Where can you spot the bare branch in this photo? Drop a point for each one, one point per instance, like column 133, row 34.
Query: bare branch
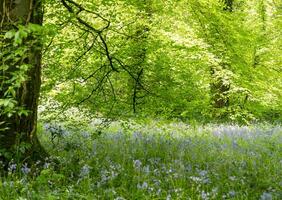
column 107, row 52
column 134, row 98
column 93, row 74
column 100, row 83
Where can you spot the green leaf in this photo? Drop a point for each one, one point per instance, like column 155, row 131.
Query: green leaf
column 4, row 102
column 35, row 28
column 18, row 39
column 22, row 112
column 10, row 34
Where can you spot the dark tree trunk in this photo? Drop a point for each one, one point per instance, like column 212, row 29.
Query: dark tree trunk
column 140, row 44
column 21, row 128
column 220, row 90
column 228, row 5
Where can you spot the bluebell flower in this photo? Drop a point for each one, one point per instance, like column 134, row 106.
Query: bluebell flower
column 46, row 126
column 205, row 195
column 143, row 186
column 25, row 169
column 266, row 196
column 85, row 170
column 137, row 164
column 85, row 134
column 46, row 165
column 203, row 173
column 232, row 193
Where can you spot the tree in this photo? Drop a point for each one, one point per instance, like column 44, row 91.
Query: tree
column 20, row 76
column 214, row 31
column 228, row 5
column 220, row 86
column 105, row 67
column 139, row 51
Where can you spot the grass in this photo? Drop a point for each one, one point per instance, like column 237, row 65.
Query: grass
column 155, row 161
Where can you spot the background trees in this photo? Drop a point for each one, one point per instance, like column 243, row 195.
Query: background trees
column 186, row 59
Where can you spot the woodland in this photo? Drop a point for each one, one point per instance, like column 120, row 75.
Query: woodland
column 140, row 99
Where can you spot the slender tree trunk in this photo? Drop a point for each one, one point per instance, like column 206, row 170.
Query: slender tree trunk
column 140, row 44
column 21, row 128
column 262, row 37
column 219, row 89
column 228, row 5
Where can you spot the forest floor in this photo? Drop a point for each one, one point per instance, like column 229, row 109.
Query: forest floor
column 154, row 161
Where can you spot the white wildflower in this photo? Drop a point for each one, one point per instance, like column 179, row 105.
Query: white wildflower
column 119, row 198
column 146, row 169
column 12, row 167
column 168, row 197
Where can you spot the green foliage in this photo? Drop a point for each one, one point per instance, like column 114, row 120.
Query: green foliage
column 157, row 160
column 192, row 59
column 13, row 69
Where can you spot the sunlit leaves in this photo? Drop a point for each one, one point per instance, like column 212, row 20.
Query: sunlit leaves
column 188, row 47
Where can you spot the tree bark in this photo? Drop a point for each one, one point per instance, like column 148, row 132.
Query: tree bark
column 21, row 128
column 140, row 43
column 219, row 90
column 228, row 5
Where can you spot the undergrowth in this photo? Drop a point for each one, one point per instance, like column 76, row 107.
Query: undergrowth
column 153, row 161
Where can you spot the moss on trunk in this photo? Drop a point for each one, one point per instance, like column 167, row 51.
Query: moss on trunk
column 21, row 129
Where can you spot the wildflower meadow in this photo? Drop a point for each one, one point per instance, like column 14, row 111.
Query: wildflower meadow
column 153, row 161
